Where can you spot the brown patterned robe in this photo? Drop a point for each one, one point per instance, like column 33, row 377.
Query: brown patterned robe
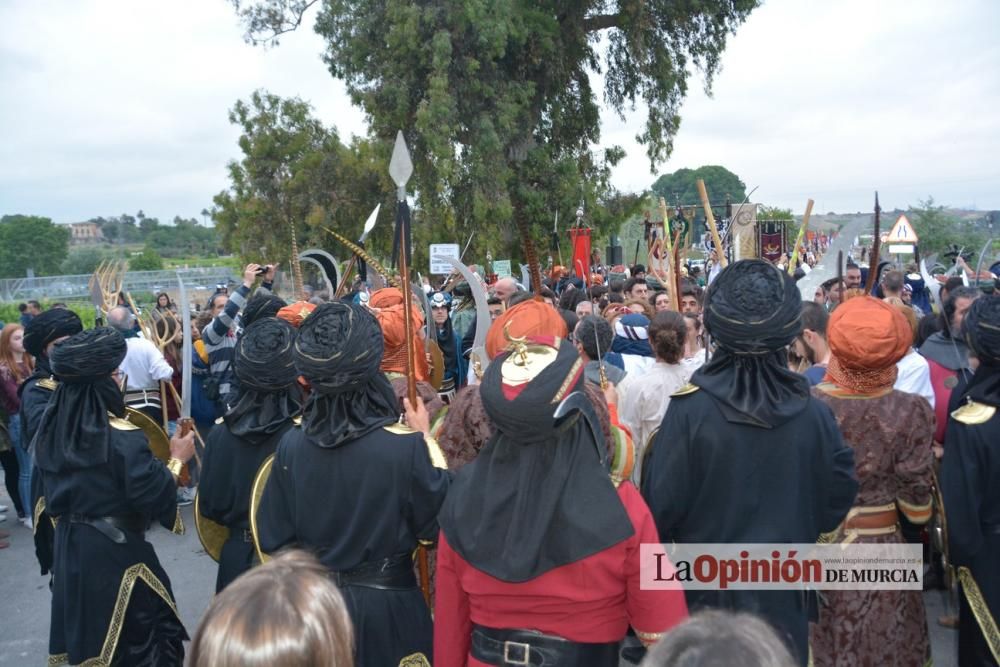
column 891, row 434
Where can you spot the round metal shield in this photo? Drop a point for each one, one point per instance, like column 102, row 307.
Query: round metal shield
column 159, row 443
column 437, row 364
column 212, row 535
column 259, row 483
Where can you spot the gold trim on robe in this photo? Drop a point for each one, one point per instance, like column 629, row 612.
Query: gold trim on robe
column 129, row 579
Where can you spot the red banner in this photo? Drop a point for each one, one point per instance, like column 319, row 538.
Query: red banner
column 580, row 236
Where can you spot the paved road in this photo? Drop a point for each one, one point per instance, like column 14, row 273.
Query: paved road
column 24, row 596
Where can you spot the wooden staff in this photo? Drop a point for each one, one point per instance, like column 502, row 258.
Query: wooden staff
column 798, row 240
column 675, row 297
column 710, row 221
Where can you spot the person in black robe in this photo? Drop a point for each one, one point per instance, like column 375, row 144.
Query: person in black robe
column 266, row 404
column 969, row 470
column 44, row 331
column 355, row 488
column 745, row 454
column 111, row 599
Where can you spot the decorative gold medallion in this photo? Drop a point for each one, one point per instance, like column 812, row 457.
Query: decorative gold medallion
column 973, row 413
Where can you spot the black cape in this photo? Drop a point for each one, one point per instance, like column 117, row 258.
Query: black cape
column 34, row 400
column 969, row 472
column 708, row 480
column 228, row 469
column 364, row 500
column 113, row 602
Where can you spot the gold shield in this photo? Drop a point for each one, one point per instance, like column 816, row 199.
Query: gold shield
column 211, row 534
column 259, row 483
column 159, row 443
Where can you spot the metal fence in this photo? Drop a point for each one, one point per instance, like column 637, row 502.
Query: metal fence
column 76, row 287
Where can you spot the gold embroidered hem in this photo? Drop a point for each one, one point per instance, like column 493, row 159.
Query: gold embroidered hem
column 178, row 527
column 415, row 660
column 39, row 509
column 129, row 579
column 987, row 624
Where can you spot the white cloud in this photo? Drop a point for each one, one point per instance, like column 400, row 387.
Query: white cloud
column 112, row 106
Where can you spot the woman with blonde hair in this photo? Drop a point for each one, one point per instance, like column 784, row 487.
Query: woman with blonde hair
column 285, row 613
column 15, row 367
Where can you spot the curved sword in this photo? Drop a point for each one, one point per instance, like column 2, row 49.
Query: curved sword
column 478, row 354
column 327, row 266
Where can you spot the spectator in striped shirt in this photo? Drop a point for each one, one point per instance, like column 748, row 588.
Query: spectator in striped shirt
column 220, row 334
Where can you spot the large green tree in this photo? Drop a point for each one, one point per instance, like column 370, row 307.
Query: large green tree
column 938, row 229
column 294, row 170
column 31, row 242
column 496, row 97
column 681, row 187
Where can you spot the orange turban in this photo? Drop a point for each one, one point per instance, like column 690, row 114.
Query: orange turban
column 387, row 305
column 296, row 312
column 867, row 337
column 528, row 318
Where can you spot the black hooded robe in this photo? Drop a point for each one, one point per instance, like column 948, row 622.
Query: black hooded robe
column 712, row 481
column 229, row 467
column 367, row 499
column 969, row 471
column 112, row 602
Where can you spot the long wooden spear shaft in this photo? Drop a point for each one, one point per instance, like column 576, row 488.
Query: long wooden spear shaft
column 876, row 250
column 710, row 221
column 668, row 249
column 401, row 168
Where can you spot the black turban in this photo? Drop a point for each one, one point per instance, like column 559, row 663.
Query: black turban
column 264, row 355
column 47, row 327
column 538, row 495
column 268, row 396
column 982, row 333
column 259, row 306
column 982, row 329
column 752, row 307
column 338, row 350
column 74, row 432
column 753, row 311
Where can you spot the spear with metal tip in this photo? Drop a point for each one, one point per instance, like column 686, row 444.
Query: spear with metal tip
column 400, row 169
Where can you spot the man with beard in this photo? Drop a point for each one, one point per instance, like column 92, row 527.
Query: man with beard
column 969, row 472
column 42, row 333
column 260, row 411
column 948, row 357
column 356, row 488
column 776, row 486
column 111, row 599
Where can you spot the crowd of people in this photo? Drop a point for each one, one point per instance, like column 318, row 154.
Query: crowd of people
column 732, row 412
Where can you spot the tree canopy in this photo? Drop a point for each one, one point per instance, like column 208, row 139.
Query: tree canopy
column 31, row 242
column 681, row 187
column 294, row 170
column 938, row 229
column 496, row 98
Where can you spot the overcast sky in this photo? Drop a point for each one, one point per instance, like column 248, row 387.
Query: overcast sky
column 111, row 106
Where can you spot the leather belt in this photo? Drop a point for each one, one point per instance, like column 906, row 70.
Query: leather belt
column 138, row 398
column 240, row 534
column 392, row 574
column 113, row 527
column 872, row 520
column 528, row 647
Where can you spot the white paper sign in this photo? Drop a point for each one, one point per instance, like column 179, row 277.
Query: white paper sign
column 438, row 266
